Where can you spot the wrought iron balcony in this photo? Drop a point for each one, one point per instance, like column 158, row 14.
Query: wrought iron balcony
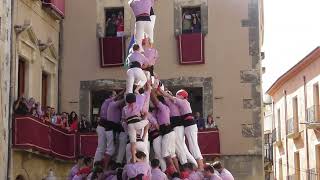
column 313, row 116
column 292, row 128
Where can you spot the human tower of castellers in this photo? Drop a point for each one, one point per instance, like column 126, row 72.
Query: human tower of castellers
column 145, row 115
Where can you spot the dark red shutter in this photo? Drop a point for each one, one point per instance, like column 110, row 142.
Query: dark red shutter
column 21, row 77
column 191, row 48
column 112, row 51
column 56, row 5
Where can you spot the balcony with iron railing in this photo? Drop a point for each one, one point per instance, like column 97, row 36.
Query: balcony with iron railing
column 293, row 128
column 268, row 149
column 274, row 135
column 313, row 117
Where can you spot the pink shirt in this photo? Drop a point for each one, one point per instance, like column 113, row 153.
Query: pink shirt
column 226, row 175
column 183, row 105
column 174, row 110
column 143, row 100
column 152, row 55
column 195, row 175
column 137, row 56
column 215, row 177
column 114, row 111
column 73, row 172
column 163, row 114
column 104, row 108
column 151, row 118
column 132, row 170
column 157, row 174
column 141, row 6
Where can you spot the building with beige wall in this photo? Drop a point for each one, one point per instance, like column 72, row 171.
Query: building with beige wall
column 35, row 63
column 295, row 122
column 229, row 80
column 5, row 55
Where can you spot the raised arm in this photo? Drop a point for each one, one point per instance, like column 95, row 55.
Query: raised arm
column 154, row 98
column 165, row 94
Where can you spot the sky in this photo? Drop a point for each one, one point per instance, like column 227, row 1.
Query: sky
column 291, row 31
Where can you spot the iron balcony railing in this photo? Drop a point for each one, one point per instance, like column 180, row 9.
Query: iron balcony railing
column 313, row 114
column 290, row 126
column 268, row 148
column 274, row 135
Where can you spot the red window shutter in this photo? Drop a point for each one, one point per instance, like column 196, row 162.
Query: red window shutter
column 21, row 78
column 191, row 48
column 112, row 51
column 44, row 89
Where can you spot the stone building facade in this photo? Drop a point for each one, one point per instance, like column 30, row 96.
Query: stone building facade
column 5, row 55
column 35, row 62
column 229, row 79
column 296, row 120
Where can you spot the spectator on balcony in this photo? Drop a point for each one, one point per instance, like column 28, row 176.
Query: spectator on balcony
column 73, row 121
column 20, row 106
column 196, row 23
column 210, row 122
column 31, row 104
column 111, row 27
column 223, row 172
column 34, row 113
column 53, row 115
column 200, row 121
column 187, row 22
column 120, row 25
column 84, row 124
column 62, row 121
column 39, row 110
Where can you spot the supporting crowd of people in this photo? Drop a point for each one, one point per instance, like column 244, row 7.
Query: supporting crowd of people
column 146, row 120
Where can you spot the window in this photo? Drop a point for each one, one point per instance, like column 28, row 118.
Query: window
column 191, row 20
column 279, row 124
column 21, row 77
column 114, row 23
column 44, row 89
column 316, row 101
column 295, row 112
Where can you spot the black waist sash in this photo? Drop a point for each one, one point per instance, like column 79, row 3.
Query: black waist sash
column 165, row 129
column 151, row 11
column 143, row 18
column 153, row 135
column 176, row 121
column 110, row 125
column 188, row 120
column 133, row 119
column 135, row 64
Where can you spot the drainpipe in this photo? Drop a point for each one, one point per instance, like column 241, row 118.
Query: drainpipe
column 60, row 63
column 307, row 135
column 11, row 98
column 286, row 126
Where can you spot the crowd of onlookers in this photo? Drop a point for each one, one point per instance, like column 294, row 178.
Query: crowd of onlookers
column 86, row 169
column 68, row 121
column 205, row 124
column 115, row 24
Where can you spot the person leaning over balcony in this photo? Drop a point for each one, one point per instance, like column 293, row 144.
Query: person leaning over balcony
column 223, row 172
column 73, row 121
column 20, row 107
column 135, row 73
column 210, row 122
column 141, row 9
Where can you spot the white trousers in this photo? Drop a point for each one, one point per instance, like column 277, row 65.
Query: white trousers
column 140, row 146
column 180, row 150
column 135, row 76
column 105, row 144
column 134, row 127
column 156, row 144
column 153, row 20
column 141, row 28
column 168, row 145
column 122, row 147
column 191, row 133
